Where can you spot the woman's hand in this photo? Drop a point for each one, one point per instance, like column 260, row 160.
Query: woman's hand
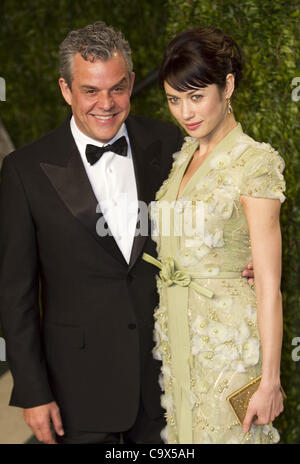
column 266, row 404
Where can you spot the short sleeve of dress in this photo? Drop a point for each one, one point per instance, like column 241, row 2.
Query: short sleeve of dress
column 262, row 174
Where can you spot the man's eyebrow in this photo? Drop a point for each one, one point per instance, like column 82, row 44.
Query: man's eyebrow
column 121, row 82
column 89, row 87
column 92, row 87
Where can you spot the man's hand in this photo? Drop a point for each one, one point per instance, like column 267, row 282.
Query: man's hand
column 248, row 272
column 39, row 419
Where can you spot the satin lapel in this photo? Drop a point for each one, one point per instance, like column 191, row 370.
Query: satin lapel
column 146, row 155
column 72, row 185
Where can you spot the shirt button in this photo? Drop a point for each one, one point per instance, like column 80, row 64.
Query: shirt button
column 131, row 326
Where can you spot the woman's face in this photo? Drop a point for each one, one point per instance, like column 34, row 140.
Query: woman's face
column 198, row 111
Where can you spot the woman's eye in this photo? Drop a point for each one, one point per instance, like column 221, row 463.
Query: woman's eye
column 173, row 100
column 196, row 97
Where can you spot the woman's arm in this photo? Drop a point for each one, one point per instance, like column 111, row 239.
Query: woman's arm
column 264, row 227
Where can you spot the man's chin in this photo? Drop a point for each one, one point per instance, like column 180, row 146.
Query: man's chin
column 105, row 132
column 103, row 135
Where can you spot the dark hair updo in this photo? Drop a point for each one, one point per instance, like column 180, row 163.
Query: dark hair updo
column 200, row 57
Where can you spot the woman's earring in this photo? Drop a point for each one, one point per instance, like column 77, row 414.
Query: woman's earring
column 229, row 108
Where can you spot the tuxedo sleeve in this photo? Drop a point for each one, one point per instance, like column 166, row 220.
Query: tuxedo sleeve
column 19, row 293
column 180, row 139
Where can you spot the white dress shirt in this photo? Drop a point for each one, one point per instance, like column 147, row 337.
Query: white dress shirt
column 113, row 181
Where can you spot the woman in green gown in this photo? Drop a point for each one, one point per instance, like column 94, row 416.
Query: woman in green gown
column 218, row 209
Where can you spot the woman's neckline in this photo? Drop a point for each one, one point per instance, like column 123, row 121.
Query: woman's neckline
column 181, row 191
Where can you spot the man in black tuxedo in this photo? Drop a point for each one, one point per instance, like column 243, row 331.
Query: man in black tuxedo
column 67, row 240
column 87, row 364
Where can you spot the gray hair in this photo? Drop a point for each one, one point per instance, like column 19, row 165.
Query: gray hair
column 94, row 42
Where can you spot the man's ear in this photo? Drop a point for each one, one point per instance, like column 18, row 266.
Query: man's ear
column 65, row 90
column 131, row 82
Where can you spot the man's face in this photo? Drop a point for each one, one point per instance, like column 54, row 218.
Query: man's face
column 99, row 95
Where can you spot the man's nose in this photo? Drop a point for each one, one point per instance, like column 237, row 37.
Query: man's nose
column 105, row 102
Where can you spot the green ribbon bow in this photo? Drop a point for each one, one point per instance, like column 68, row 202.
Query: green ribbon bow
column 169, row 276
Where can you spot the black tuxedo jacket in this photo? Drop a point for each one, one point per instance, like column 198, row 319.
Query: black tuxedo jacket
column 91, row 349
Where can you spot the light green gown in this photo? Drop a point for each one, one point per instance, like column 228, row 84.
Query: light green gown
column 206, row 324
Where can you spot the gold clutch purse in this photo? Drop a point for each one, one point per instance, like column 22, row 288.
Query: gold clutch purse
column 239, row 400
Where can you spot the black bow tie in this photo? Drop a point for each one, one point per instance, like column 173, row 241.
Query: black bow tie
column 94, row 153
